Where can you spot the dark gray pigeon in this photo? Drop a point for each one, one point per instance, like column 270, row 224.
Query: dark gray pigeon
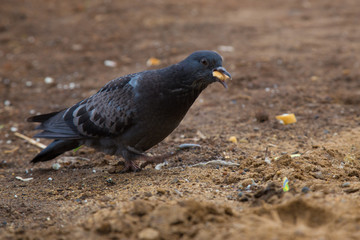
column 131, row 114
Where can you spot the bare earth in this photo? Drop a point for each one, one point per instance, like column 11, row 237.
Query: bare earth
column 297, row 57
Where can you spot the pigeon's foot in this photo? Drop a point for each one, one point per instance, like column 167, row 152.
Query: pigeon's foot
column 124, row 167
column 130, row 166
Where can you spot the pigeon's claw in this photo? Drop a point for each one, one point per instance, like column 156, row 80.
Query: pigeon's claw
column 130, row 166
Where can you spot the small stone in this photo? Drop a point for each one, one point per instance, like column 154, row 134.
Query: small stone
column 110, row 181
column 351, row 190
column 77, row 47
column 49, row 80
column 50, row 179
column 148, row 234
column 109, row 63
column 225, row 48
column 314, row 78
column 305, row 190
column 72, row 85
column 56, row 166
column 346, row 184
column 13, row 129
column 7, row 103
column 319, row 175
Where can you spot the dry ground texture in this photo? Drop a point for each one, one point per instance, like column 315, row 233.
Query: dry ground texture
column 291, row 56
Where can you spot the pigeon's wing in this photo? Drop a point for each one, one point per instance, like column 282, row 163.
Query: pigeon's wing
column 108, row 113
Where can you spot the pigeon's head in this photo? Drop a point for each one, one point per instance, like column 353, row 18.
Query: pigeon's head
column 205, row 68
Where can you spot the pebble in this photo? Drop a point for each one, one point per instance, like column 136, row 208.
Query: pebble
column 110, row 181
column 56, row 166
column 110, row 63
column 77, row 47
column 72, row 85
column 49, row 80
column 314, row 78
column 149, row 234
column 50, row 179
column 319, row 175
column 346, row 184
column 225, row 48
column 267, row 160
column 7, row 103
column 189, row 145
column 305, row 190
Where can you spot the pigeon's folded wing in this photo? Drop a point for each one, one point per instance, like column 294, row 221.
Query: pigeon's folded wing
column 107, row 113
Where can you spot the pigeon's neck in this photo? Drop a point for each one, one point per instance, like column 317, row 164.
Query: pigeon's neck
column 182, row 89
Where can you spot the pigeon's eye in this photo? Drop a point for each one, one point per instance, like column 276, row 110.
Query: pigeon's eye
column 204, row 62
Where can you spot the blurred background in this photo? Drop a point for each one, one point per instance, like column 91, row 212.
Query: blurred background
column 285, row 56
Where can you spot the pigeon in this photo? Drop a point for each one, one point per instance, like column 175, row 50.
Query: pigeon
column 132, row 113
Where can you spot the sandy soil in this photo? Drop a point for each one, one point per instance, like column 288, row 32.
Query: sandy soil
column 297, row 57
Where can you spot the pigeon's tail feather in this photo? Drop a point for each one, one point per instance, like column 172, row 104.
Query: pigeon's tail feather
column 54, row 149
column 57, row 135
column 42, row 118
column 54, row 126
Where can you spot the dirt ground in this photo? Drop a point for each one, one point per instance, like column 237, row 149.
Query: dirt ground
column 298, row 57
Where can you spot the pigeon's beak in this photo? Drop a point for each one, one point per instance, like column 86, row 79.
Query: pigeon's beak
column 221, row 75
